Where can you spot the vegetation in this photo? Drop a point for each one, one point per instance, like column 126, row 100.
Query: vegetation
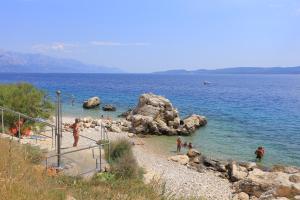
column 22, row 179
column 123, row 163
column 24, row 98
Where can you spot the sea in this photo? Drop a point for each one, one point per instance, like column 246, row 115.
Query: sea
column 243, row 111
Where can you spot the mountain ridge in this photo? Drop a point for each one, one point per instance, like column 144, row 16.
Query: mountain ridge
column 14, row 62
column 235, row 70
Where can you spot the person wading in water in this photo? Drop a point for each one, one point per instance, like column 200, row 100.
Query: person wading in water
column 260, row 151
column 75, row 128
column 179, row 143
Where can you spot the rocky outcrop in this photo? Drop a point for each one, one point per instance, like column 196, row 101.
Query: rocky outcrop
column 109, row 107
column 277, row 184
column 91, row 103
column 182, row 159
column 248, row 180
column 156, row 115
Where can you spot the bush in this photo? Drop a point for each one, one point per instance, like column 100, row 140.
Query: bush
column 22, row 180
column 119, row 148
column 123, row 163
column 26, row 99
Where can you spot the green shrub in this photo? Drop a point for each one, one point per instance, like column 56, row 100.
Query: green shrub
column 26, row 99
column 119, row 148
column 123, row 163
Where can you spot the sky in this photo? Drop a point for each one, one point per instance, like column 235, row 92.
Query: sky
column 154, row 35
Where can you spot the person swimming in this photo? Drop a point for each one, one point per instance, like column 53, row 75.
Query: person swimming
column 260, row 151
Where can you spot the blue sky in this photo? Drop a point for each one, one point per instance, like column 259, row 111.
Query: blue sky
column 152, row 35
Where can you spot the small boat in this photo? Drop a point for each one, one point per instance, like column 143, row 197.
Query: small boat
column 206, row 82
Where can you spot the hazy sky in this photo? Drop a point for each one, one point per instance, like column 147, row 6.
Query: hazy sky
column 151, row 35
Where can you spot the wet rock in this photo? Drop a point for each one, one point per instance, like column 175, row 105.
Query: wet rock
column 109, row 107
column 91, row 103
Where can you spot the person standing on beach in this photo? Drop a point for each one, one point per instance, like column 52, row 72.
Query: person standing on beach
column 179, row 143
column 75, row 128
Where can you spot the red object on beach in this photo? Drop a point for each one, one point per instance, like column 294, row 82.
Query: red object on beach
column 13, row 131
column 26, row 132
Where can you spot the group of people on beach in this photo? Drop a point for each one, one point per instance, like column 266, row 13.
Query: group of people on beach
column 260, row 151
column 180, row 144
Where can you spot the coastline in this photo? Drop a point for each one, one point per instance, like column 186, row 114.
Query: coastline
column 220, row 179
column 190, row 175
column 179, row 180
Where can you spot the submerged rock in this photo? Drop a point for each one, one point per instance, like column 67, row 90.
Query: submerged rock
column 156, row 115
column 109, row 107
column 91, row 103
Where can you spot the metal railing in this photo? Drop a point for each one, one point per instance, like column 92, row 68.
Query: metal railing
column 100, row 144
column 24, row 116
column 57, row 134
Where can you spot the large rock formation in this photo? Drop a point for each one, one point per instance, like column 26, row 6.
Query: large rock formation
column 156, row 115
column 91, row 102
column 277, row 184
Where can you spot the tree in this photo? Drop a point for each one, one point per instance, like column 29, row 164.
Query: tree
column 26, row 99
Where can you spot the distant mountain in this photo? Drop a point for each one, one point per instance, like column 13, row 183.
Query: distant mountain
column 12, row 62
column 238, row 70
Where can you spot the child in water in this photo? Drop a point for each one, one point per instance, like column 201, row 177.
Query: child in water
column 260, row 151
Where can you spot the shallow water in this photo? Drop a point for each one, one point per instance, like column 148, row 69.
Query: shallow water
column 243, row 111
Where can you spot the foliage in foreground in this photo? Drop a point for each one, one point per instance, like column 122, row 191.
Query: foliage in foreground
column 123, row 162
column 21, row 179
column 24, row 98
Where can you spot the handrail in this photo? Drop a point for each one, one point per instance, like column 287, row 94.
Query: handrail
column 26, row 116
column 66, row 130
column 68, row 152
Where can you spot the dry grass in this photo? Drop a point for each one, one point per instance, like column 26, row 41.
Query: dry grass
column 20, row 178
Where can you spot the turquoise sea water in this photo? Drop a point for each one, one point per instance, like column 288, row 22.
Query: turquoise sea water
column 243, row 111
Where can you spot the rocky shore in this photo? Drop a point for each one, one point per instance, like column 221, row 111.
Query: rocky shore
column 193, row 174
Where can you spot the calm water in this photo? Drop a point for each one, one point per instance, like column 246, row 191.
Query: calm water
column 243, row 111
